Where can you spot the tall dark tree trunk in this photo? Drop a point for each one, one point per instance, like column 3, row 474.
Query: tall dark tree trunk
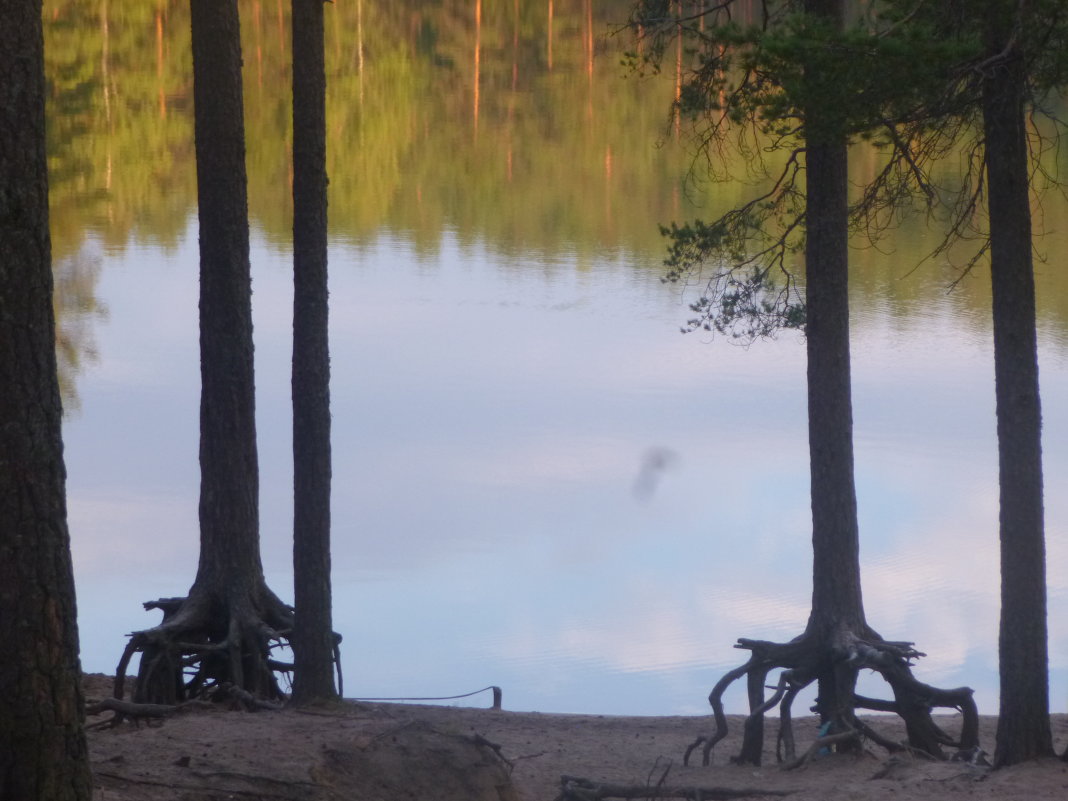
column 837, row 605
column 227, row 624
column 313, row 639
column 229, row 473
column 43, row 752
column 837, row 616
column 836, row 594
column 836, row 619
column 1023, row 731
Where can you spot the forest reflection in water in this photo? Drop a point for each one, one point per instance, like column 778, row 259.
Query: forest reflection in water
column 504, row 360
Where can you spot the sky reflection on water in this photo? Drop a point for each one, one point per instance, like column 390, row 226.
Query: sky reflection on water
column 491, row 417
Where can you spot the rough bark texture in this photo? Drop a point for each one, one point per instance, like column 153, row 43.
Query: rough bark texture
column 313, row 640
column 43, row 751
column 836, row 594
column 837, row 606
column 1023, row 724
column 837, row 642
column 223, row 631
column 229, row 484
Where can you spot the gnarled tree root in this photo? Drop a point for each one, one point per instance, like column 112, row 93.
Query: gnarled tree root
column 207, row 644
column 835, row 662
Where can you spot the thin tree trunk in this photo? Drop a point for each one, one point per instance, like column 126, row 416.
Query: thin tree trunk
column 43, row 752
column 549, row 45
column 477, row 63
column 1023, row 723
column 313, row 638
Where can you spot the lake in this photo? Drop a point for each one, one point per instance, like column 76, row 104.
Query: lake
column 539, row 482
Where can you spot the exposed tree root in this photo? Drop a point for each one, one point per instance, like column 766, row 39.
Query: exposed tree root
column 820, row 744
column 834, row 660
column 495, row 748
column 212, row 643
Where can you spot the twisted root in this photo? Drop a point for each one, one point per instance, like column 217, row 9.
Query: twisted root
column 205, row 642
column 835, row 663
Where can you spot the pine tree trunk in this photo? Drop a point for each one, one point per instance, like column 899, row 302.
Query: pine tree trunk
column 222, row 633
column 836, row 594
column 229, row 485
column 837, row 605
column 837, row 642
column 313, row 638
column 1023, row 724
column 43, row 751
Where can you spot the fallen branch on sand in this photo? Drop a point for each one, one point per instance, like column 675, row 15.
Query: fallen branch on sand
column 573, row 788
column 126, row 709
column 131, row 710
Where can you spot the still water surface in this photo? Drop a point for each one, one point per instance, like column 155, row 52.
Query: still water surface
column 539, row 483
column 492, row 521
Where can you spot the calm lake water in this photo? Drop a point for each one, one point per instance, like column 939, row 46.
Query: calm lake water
column 539, row 483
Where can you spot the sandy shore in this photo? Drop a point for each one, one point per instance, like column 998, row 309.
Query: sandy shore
column 382, row 752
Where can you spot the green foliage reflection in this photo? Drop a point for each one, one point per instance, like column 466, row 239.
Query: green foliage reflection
column 470, row 116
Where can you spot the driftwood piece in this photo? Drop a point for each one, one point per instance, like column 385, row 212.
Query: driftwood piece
column 573, row 788
column 137, row 712
column 130, row 709
column 127, row 709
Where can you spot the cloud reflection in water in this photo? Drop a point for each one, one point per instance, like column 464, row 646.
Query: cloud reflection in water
column 488, row 428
